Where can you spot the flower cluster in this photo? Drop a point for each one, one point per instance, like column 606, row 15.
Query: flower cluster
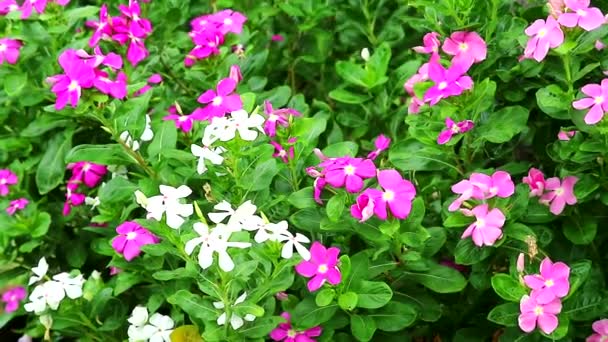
column 286, row 332
column 487, row 227
column 552, row 192
column 131, row 237
column 28, row 6
column 279, row 117
column 13, row 297
column 156, row 328
column 87, row 173
column 208, row 32
column 541, row 307
column 7, row 178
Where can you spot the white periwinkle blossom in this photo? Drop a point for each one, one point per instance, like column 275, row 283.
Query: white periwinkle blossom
column 168, row 203
column 39, row 271
column 157, row 328
column 51, row 293
column 242, row 218
column 279, row 232
column 213, row 241
column 206, row 152
column 224, row 128
column 147, row 135
column 235, row 321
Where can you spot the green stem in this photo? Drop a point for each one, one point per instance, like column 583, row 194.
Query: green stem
column 566, row 61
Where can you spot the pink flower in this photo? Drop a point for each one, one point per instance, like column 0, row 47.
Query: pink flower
column 536, row 182
column 430, row 43
column 12, row 298
column 565, row 135
column 481, row 186
column 26, row 8
column 130, row 239
column 276, row 116
column 599, row 45
column 580, row 14
column 281, row 152
column 414, row 106
column 7, row 6
column 450, row 82
column 543, row 35
column 322, row 266
column 535, row 314
column 285, row 332
column 559, row 194
column 552, row 282
column 154, row 79
column 350, row 172
column 382, row 143
column 72, row 199
column 488, row 226
column 114, row 270
column 139, row 27
column 117, row 89
column 601, row 331
column 363, row 209
column 421, row 76
column 597, row 100
column 235, row 73
column 206, row 43
column 17, row 204
column 183, row 122
column 466, row 47
column 229, row 21
column 453, row 129
column 318, row 186
column 7, row 177
column 103, row 28
column 9, row 50
column 218, row 103
column 87, row 172
column 520, row 263
column 277, row 38
column 398, row 195
column 68, row 86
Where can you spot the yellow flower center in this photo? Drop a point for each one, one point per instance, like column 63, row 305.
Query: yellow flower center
column 443, row 85
column 217, row 101
column 542, row 33
column 598, row 99
column 538, row 310
column 549, row 283
column 349, row 170
column 463, row 46
column 388, row 196
column 322, row 269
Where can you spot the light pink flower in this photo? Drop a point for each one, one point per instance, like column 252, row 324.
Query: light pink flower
column 520, row 263
column 281, row 152
column 536, row 182
column 551, row 283
column 535, row 314
column 277, row 116
column 559, row 194
column 450, row 82
column 565, row 135
column 219, row 102
column 381, row 143
column 397, row 195
column 597, row 100
column 12, row 298
column 601, row 331
column 9, row 50
column 285, row 332
column 421, row 76
column 350, row 172
column 599, row 45
column 7, row 6
column 114, row 270
column 453, row 129
column 488, row 226
column 87, row 172
column 466, row 47
column 580, row 14
column 481, row 186
column 363, row 209
column 17, row 204
column 322, row 266
column 543, row 35
column 130, row 239
column 235, row 73
column 7, row 177
column 414, row 106
column 430, row 43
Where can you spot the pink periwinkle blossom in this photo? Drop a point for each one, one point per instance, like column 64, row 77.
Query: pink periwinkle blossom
column 12, row 298
column 77, row 75
column 287, row 333
column 533, row 314
column 318, row 186
column 285, row 154
column 350, row 172
column 29, row 5
column 235, row 73
column 536, row 181
column 228, row 21
column 206, row 43
column 543, row 35
column 7, row 177
column 115, row 270
column 111, row 60
column 414, row 106
column 154, row 79
column 363, row 208
column 599, row 45
column 580, row 14
column 322, row 266
column 277, row 117
column 488, row 226
column 277, row 38
column 520, row 263
column 131, row 238
column 9, row 50
column 381, row 143
column 481, row 187
column 421, row 76
column 552, row 282
column 72, row 199
column 454, row 128
column 87, row 172
column 182, row 122
column 565, row 135
column 450, row 82
column 397, row 195
column 220, row 102
column 601, row 331
column 116, row 88
column 18, row 204
column 430, row 43
column 558, row 194
column 597, row 100
column 8, row 6
column 139, row 26
column 466, row 47
column 103, row 27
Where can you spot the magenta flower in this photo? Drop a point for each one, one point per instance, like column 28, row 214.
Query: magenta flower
column 129, row 31
column 154, row 79
column 488, row 226
column 601, row 331
column 318, row 186
column 414, row 106
column 430, row 43
column 87, row 172
column 536, row 182
column 276, row 116
column 114, row 270
column 7, row 6
column 12, row 298
column 183, row 122
column 350, row 172
column 277, row 38
column 398, row 195
column 17, row 204
column 322, row 266
column 139, row 26
column 450, row 82
column 363, row 209
column 382, row 143
column 29, row 5
column 229, row 21
column 281, row 152
column 218, row 102
column 580, row 14
column 421, row 76
column 9, row 50
column 543, row 35
column 558, row 195
column 7, row 177
column 552, row 282
column 130, row 239
column 103, row 28
column 285, row 332
column 535, row 314
column 68, row 86
column 565, row 135
column 454, row 129
column 597, row 100
column 72, row 199
column 466, row 47
column 207, row 43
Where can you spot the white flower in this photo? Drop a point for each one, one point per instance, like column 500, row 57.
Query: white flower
column 169, row 204
column 272, row 232
column 71, row 286
column 242, row 122
column 161, row 327
column 148, row 134
column 235, row 320
column 139, row 316
column 93, row 202
column 50, row 294
column 207, row 153
column 295, row 241
column 39, row 271
column 215, row 130
column 212, row 241
column 128, row 140
column 242, row 218
column 138, row 330
column 365, row 54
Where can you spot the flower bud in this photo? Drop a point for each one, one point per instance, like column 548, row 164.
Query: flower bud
column 282, row 296
column 365, row 54
column 235, row 73
column 520, row 263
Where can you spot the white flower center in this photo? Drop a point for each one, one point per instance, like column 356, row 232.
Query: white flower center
column 73, row 85
column 581, row 12
column 480, row 223
column 131, row 235
column 559, row 192
column 542, row 33
column 182, row 118
column 322, row 269
column 455, row 129
column 86, row 167
column 2, row 47
column 549, row 283
column 388, row 196
column 463, row 46
column 273, row 117
column 2, row 181
column 349, row 170
column 291, row 333
column 442, row 85
column 217, row 101
column 227, row 21
column 598, row 99
column 282, row 153
column 538, row 310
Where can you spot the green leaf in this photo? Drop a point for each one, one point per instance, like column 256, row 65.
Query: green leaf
column 434, row 243
column 335, row 207
column 508, row 288
column 351, row 73
column 377, row 65
column 52, row 166
column 412, row 155
column 110, row 154
column 345, row 96
column 307, row 314
column 503, row 125
column 307, row 219
column 519, row 232
column 261, row 177
column 193, row 305
column 467, row 253
column 395, row 316
column 348, row 301
column 585, row 186
column 43, row 124
column 456, row 220
column 580, row 231
column 76, row 255
column 81, row 12
column 117, row 190
column 554, row 102
column 14, row 83
column 362, row 327
column 342, row 148
column 262, row 327
column 308, row 129
column 125, row 281
column 372, row 294
column 303, row 198
column 177, row 273
column 441, row 279
column 579, row 272
column 164, row 139
column 505, row 314
column 325, row 297
column 41, row 226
